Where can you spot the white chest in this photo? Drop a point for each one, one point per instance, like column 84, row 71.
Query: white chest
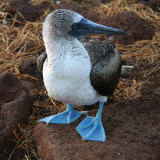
column 67, row 76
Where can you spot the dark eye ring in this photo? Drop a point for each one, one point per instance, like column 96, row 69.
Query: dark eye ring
column 74, row 26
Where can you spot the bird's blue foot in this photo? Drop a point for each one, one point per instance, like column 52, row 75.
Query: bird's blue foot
column 91, row 128
column 65, row 117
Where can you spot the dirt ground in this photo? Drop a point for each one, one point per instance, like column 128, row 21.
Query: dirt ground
column 131, row 117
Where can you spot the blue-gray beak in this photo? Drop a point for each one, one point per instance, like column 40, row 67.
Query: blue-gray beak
column 86, row 26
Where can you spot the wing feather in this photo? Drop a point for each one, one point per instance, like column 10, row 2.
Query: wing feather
column 106, row 66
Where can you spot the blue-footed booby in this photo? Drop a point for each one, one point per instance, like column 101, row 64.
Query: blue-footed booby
column 77, row 73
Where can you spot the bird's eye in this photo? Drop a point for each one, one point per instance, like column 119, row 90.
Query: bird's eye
column 74, row 26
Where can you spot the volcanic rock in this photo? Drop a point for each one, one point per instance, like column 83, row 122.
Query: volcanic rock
column 136, row 28
column 24, row 11
column 28, row 66
column 154, row 4
column 15, row 105
column 106, row 1
column 132, row 131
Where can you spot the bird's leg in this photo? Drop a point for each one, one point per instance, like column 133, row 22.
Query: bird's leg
column 91, row 128
column 66, row 117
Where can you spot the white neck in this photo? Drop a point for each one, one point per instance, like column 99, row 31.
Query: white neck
column 58, row 46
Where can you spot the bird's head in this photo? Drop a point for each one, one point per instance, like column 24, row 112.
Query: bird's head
column 66, row 22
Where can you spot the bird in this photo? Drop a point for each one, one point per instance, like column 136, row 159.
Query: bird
column 79, row 73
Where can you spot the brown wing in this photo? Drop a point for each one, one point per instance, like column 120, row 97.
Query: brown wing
column 106, row 66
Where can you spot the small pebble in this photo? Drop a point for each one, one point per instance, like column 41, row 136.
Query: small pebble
column 4, row 22
column 119, row 154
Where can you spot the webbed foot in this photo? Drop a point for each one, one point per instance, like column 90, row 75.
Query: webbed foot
column 91, row 128
column 65, row 117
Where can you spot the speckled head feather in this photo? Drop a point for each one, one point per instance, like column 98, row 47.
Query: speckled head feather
column 60, row 21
